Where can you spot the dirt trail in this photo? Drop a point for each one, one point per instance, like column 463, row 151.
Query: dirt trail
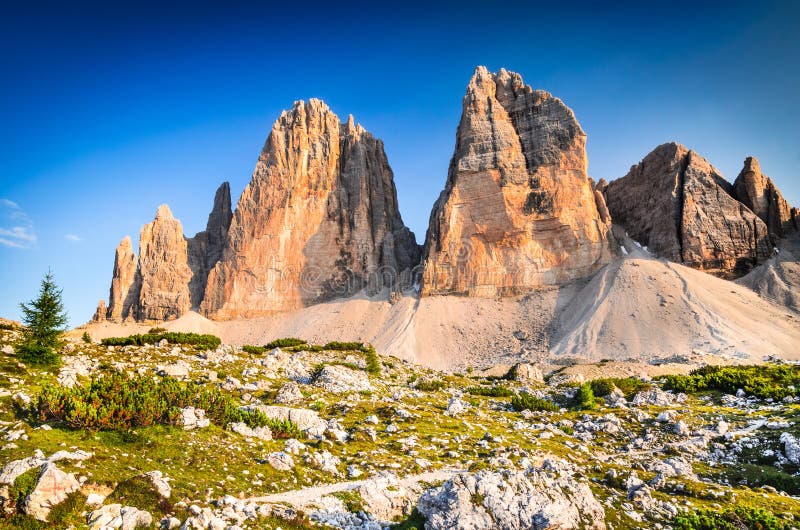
column 306, row 496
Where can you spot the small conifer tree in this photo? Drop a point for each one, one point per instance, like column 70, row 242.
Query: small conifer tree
column 45, row 321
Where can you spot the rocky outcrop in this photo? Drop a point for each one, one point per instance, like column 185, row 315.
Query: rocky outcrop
column 757, row 191
column 318, row 220
column 679, row 206
column 541, row 499
column 164, row 268
column 518, row 210
column 123, row 300
column 169, row 276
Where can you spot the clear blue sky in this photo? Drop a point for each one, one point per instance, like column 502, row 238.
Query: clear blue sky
column 109, row 110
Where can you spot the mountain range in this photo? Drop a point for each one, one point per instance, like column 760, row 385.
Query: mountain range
column 525, row 255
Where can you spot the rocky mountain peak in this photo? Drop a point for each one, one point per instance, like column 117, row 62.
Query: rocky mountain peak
column 518, row 210
column 318, row 220
column 682, row 208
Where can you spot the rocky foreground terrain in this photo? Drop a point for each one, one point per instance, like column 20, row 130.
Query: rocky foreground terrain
column 304, row 436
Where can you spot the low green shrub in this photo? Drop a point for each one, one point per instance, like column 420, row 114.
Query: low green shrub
column 208, row 342
column 490, row 391
column 774, row 381
column 737, row 518
column 255, row 350
column 121, row 402
column 37, row 354
column 754, row 475
column 86, row 337
column 373, row 361
column 157, row 330
column 430, row 385
column 629, row 386
column 584, row 398
column 526, row 401
column 343, row 346
column 415, row 521
column 284, row 343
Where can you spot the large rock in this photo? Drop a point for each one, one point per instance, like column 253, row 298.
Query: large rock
column 518, row 210
column 123, row 300
column 52, row 488
column 679, row 205
column 757, row 191
column 318, row 220
column 488, row 500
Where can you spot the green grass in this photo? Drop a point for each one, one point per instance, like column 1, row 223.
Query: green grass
column 415, row 521
column 629, row 386
column 139, row 492
column 430, row 385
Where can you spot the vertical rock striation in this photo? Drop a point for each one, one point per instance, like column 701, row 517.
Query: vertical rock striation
column 123, row 300
column 164, row 268
column 518, row 210
column 757, row 191
column 318, row 220
column 679, row 205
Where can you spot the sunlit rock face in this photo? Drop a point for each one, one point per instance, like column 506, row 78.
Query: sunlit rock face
column 518, row 210
column 318, row 220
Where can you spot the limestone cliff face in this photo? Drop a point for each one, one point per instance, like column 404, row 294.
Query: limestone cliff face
column 518, row 210
column 757, row 191
column 318, row 220
column 123, row 300
column 205, row 248
column 169, row 276
column 164, row 268
column 678, row 205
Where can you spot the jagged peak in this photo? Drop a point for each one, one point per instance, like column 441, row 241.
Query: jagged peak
column 164, row 212
column 751, row 164
column 126, row 243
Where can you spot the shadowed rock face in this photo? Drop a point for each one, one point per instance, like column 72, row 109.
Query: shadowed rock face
column 518, row 210
column 318, row 220
column 679, row 205
column 757, row 191
column 205, row 248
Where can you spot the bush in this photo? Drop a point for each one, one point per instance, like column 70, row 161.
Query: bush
column 157, row 330
column 121, row 402
column 738, row 518
column 207, row 342
column 37, row 355
column 284, row 343
column 430, row 385
column 629, row 386
column 86, row 337
column 343, row 346
column 526, row 401
column 255, row 350
column 774, row 381
column 584, row 398
column 490, row 391
column 373, row 361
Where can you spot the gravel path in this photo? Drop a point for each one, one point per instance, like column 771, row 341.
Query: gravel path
column 305, row 496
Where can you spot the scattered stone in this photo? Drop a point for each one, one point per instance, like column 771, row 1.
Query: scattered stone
column 339, row 379
column 289, row 394
column 192, row 418
column 52, row 488
column 280, row 460
column 262, row 433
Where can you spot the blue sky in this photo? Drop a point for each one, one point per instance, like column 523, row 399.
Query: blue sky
column 109, row 110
